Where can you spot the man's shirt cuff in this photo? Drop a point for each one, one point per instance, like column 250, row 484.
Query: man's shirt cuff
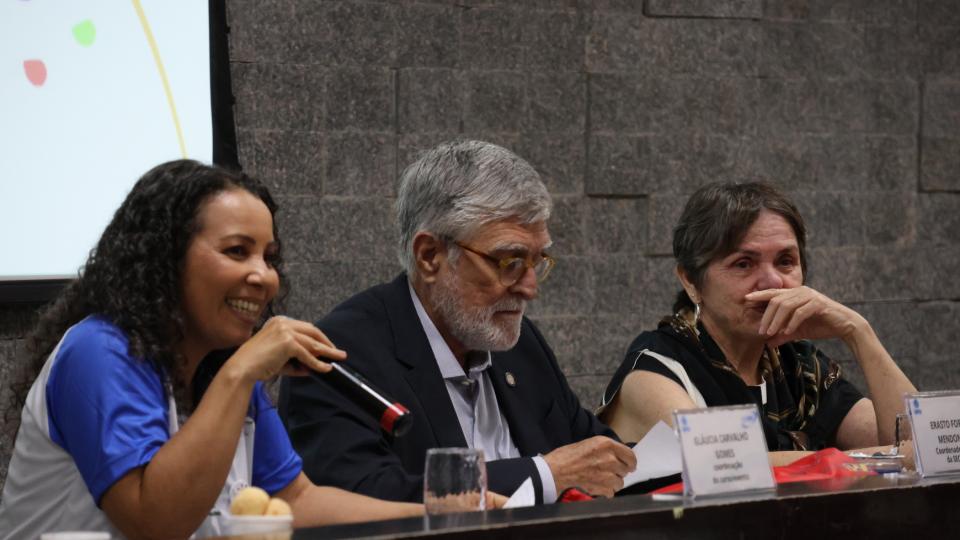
column 546, row 480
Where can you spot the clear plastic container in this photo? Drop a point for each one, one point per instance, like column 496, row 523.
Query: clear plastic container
column 264, row 527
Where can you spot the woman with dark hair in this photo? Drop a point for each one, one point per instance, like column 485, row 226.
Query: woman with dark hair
column 740, row 335
column 149, row 410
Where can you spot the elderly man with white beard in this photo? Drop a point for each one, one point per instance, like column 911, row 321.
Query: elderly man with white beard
column 449, row 340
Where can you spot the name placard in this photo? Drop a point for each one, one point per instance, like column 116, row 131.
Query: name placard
column 723, row 450
column 935, row 423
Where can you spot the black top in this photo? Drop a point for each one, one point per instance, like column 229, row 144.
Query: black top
column 807, row 398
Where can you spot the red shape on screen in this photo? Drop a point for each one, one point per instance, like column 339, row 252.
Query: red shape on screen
column 36, row 71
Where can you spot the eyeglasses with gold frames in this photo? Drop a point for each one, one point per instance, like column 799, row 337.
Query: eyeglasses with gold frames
column 511, row 269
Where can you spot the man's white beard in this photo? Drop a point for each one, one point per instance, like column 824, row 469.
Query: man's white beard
column 474, row 327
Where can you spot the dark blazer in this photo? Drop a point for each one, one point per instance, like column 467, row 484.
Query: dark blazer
column 343, row 446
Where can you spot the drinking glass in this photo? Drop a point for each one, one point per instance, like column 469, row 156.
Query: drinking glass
column 454, row 480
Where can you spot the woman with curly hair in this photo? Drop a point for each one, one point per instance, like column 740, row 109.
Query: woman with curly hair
column 149, row 410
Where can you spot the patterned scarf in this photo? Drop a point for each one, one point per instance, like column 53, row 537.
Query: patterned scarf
column 799, row 378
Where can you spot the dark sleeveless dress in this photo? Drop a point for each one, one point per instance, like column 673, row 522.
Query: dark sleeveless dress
column 806, row 395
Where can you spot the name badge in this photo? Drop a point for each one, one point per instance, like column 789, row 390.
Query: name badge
column 935, row 424
column 723, row 450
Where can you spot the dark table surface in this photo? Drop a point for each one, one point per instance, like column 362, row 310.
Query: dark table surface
column 867, row 507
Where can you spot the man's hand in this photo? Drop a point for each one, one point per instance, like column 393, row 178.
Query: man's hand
column 597, row 465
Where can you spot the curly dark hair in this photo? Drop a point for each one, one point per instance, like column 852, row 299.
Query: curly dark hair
column 133, row 275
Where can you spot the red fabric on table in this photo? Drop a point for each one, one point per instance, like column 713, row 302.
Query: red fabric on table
column 574, row 494
column 826, row 464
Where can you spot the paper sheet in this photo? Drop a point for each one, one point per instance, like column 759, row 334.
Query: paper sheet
column 523, row 496
column 658, row 455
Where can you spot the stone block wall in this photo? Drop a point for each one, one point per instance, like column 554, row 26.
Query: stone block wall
column 625, row 107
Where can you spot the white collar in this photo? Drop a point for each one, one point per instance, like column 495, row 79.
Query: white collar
column 446, row 361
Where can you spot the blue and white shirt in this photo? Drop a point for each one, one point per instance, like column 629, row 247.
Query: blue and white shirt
column 94, row 414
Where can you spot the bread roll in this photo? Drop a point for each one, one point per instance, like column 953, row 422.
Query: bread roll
column 278, row 507
column 250, row 501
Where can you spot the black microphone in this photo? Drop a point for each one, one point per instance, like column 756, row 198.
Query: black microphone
column 395, row 419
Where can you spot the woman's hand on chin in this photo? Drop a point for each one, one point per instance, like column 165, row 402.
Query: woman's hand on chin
column 803, row 313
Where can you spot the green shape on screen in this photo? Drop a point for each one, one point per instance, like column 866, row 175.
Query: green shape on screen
column 84, row 32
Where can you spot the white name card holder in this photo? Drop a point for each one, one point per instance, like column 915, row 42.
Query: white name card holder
column 935, row 424
column 724, row 451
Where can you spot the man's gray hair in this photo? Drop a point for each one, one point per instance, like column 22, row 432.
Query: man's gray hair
column 459, row 186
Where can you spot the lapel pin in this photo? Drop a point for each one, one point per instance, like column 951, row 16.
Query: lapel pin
column 511, row 380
